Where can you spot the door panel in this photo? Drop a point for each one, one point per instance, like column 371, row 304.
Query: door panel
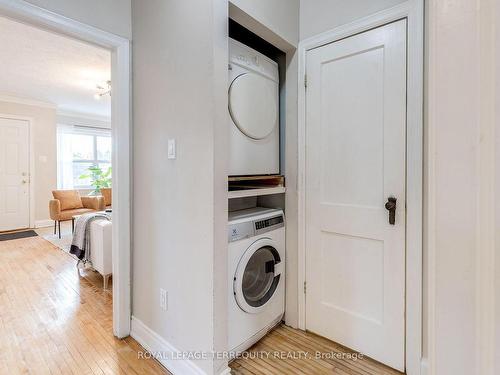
column 355, row 160
column 14, row 174
column 349, row 176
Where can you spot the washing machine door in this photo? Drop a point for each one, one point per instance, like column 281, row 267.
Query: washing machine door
column 258, row 275
column 253, row 105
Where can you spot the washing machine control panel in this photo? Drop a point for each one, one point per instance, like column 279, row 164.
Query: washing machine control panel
column 265, row 225
column 248, row 229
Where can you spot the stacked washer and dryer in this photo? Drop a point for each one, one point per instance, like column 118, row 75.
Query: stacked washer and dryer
column 256, row 285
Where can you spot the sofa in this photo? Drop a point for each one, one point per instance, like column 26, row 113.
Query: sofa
column 68, row 203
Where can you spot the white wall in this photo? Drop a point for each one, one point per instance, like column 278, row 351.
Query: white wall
column 109, row 15
column 44, row 177
column 463, row 157
column 496, row 331
column 180, row 206
column 291, row 201
column 317, row 16
column 274, row 20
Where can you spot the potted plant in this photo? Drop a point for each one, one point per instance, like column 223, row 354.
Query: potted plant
column 99, row 178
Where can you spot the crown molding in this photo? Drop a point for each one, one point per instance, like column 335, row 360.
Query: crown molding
column 26, row 101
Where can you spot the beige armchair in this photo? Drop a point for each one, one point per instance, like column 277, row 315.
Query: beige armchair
column 69, row 203
column 106, row 193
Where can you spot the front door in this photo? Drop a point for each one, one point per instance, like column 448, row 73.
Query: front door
column 355, row 165
column 14, row 174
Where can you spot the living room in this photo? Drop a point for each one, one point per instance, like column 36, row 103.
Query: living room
column 55, row 121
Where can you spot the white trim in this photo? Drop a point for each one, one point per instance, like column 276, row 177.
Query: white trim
column 363, row 24
column 486, row 163
column 424, row 366
column 121, row 127
column 31, row 156
column 43, row 223
column 32, row 171
column 430, row 192
column 162, row 350
column 412, row 10
column 26, row 101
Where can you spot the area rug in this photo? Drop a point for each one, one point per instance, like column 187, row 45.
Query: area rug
column 63, row 243
column 17, row 235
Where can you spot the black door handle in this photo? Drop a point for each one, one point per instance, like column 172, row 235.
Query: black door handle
column 391, row 207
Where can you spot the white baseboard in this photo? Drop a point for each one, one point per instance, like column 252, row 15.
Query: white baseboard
column 424, row 366
column 155, row 344
column 43, row 223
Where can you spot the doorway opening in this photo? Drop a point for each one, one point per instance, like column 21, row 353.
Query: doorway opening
column 98, row 145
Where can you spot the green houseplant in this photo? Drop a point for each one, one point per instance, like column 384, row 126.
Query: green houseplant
column 99, row 178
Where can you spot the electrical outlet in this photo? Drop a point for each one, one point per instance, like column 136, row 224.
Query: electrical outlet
column 163, row 299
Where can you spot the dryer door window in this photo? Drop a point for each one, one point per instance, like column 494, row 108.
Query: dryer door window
column 253, row 105
column 257, row 277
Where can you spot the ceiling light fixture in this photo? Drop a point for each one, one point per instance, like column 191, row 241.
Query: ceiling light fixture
column 103, row 90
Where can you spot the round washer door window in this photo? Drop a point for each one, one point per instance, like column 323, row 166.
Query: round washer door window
column 256, row 278
column 253, row 105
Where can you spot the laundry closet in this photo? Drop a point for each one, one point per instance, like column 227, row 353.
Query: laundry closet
column 256, row 183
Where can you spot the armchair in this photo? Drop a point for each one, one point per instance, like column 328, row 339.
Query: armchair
column 68, row 203
column 106, row 193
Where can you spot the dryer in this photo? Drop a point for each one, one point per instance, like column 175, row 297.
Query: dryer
column 253, row 100
column 256, row 280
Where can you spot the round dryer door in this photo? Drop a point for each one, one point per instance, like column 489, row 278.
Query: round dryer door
column 257, row 276
column 253, row 105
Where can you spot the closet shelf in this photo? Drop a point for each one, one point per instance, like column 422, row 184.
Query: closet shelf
column 255, row 192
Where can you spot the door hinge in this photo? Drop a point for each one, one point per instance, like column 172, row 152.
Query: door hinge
column 305, row 81
column 305, row 287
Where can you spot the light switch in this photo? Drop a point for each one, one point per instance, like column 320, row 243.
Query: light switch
column 171, row 149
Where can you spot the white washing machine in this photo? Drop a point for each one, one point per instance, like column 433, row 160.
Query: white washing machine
column 254, row 112
column 256, row 275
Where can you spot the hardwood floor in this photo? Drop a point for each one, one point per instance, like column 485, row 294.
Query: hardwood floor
column 52, row 321
column 282, row 352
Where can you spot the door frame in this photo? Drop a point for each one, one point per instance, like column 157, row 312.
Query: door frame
column 119, row 47
column 31, row 163
column 413, row 12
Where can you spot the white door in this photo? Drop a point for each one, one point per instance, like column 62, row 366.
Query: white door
column 14, row 174
column 355, row 161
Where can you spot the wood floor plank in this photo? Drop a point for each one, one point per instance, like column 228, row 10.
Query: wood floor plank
column 288, row 340
column 54, row 320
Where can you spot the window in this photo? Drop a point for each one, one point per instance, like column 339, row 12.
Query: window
column 78, row 148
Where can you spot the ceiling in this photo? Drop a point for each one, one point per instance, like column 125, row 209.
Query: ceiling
column 40, row 65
